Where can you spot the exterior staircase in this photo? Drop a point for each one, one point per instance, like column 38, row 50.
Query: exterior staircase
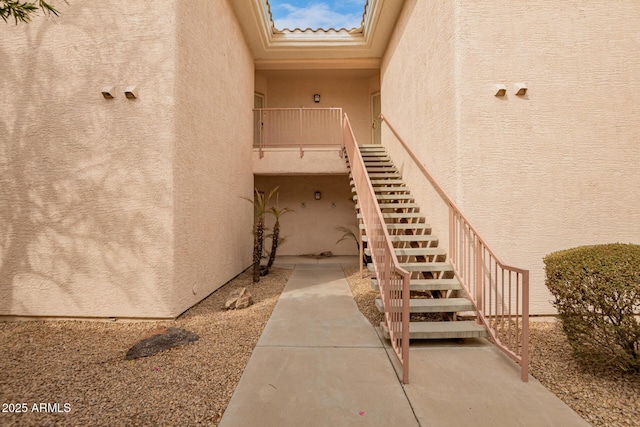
column 439, row 309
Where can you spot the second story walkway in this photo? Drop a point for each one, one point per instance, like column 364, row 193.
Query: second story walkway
column 298, row 140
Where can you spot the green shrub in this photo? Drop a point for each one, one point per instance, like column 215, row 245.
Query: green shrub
column 597, row 295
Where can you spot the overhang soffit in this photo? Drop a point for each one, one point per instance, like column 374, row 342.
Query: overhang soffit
column 268, row 43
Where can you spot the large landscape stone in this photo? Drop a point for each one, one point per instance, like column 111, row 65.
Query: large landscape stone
column 160, row 339
column 238, row 298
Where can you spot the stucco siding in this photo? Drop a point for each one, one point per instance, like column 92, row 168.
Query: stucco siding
column 85, row 182
column 294, row 89
column 312, row 229
column 213, row 154
column 419, row 96
column 553, row 169
column 558, row 167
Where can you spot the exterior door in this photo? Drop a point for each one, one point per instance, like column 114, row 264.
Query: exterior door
column 376, row 109
column 258, row 102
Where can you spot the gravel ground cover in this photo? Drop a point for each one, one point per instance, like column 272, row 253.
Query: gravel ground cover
column 603, row 397
column 82, row 364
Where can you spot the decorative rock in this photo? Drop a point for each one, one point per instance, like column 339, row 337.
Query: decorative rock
column 238, row 298
column 160, row 339
column 244, row 301
column 157, row 331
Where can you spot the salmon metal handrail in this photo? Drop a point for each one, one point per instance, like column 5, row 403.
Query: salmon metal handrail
column 393, row 280
column 499, row 292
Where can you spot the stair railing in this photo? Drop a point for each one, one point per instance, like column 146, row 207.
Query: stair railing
column 499, row 292
column 392, row 279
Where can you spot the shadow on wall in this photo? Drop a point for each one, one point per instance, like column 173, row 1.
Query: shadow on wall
column 69, row 217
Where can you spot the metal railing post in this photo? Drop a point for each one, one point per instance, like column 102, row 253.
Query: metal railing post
column 361, row 247
column 478, row 278
column 524, row 364
column 300, row 132
column 261, row 118
column 406, row 319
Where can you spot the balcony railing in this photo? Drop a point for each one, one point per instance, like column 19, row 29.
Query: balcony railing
column 298, row 128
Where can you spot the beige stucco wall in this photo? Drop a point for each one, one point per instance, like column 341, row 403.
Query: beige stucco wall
column 212, row 167
column 554, row 169
column 123, row 208
column 85, row 183
column 419, row 98
column 344, row 89
column 312, row 229
column 260, row 83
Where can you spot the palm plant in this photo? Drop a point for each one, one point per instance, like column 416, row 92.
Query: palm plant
column 22, row 12
column 260, row 203
column 275, row 236
column 349, row 234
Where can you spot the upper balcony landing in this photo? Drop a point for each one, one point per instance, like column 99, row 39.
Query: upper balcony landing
column 298, row 141
column 287, row 161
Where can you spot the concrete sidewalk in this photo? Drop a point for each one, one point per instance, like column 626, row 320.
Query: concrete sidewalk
column 319, row 362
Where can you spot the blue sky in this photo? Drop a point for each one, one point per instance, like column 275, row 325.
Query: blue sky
column 316, row 14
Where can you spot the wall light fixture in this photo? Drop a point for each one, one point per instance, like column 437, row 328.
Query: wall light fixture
column 316, row 98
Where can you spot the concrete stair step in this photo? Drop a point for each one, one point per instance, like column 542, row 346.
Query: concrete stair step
column 403, row 226
column 373, row 156
column 378, row 169
column 384, row 175
column 398, row 215
column 389, row 197
column 384, row 182
column 426, row 266
column 384, row 190
column 434, row 305
column 441, row 330
column 414, row 251
column 409, row 238
column 427, row 285
column 387, row 182
column 420, row 266
column 378, row 162
column 395, row 205
column 381, row 175
column 382, row 161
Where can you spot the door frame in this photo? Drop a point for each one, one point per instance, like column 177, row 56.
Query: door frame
column 376, row 130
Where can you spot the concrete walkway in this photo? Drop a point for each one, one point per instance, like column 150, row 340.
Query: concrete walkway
column 319, row 362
